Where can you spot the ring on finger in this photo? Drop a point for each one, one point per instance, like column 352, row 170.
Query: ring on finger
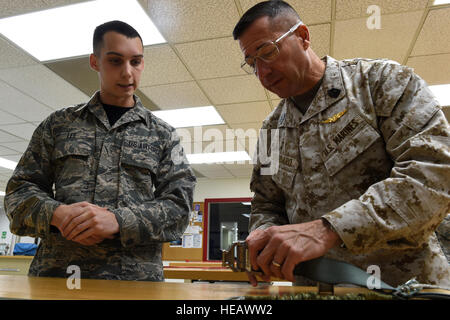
column 276, row 264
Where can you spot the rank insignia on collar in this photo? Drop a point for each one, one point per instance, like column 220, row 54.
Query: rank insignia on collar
column 335, row 117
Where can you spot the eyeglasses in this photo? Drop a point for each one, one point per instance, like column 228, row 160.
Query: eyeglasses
column 268, row 52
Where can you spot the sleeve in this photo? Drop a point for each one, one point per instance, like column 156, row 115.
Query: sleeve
column 29, row 199
column 268, row 203
column 403, row 210
column 167, row 217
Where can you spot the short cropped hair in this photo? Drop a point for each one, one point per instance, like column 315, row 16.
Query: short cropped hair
column 117, row 26
column 271, row 9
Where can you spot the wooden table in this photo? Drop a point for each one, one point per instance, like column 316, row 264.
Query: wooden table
column 24, row 287
column 206, row 271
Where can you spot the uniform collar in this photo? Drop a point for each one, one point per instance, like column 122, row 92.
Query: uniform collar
column 331, row 91
column 137, row 113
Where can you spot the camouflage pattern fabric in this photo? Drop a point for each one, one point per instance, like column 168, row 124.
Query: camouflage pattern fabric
column 136, row 169
column 371, row 156
column 443, row 235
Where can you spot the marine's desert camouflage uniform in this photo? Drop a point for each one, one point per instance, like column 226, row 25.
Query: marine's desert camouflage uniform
column 378, row 171
column 128, row 168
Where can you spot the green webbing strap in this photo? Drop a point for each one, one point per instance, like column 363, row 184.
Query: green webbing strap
column 333, row 272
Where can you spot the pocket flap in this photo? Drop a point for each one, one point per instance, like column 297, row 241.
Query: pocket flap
column 144, row 160
column 350, row 149
column 76, row 147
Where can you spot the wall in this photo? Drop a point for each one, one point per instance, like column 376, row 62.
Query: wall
column 4, row 223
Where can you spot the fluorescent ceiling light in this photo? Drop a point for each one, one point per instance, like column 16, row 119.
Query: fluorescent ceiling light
column 438, row 2
column 246, row 203
column 190, row 117
column 217, row 157
column 8, row 164
column 67, row 31
column 442, row 93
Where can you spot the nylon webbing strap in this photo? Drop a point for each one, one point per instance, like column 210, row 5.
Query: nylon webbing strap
column 335, row 272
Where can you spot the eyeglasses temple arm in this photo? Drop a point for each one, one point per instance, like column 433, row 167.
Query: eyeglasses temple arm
column 289, row 32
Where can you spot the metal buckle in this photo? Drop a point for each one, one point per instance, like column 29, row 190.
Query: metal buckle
column 241, row 261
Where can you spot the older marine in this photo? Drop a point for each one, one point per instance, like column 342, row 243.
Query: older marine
column 360, row 158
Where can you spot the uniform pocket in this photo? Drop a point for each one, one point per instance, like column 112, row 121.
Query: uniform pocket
column 71, row 160
column 351, row 147
column 138, row 175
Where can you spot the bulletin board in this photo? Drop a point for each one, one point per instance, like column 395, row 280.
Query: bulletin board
column 190, row 245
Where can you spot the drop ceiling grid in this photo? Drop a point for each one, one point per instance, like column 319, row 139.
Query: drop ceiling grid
column 193, row 26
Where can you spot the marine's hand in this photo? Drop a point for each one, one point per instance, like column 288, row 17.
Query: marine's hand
column 288, row 245
column 254, row 247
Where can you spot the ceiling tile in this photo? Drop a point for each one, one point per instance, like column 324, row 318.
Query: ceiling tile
column 349, row 9
column 182, row 21
column 250, row 137
column 246, row 126
column 310, row 11
column 16, row 7
column 57, row 3
column 43, row 85
column 6, row 118
column 434, row 37
column 212, row 146
column 6, row 151
column 12, row 56
column 244, row 112
column 162, row 66
column 24, row 130
column 240, row 170
column 212, row 58
column 20, row 105
column 433, row 69
column 233, row 89
column 7, row 137
column 212, row 171
column 205, row 133
column 354, row 39
column 176, row 95
column 18, row 147
column 15, row 157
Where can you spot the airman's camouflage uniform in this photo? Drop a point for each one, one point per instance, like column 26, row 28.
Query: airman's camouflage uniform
column 136, row 169
column 371, row 156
